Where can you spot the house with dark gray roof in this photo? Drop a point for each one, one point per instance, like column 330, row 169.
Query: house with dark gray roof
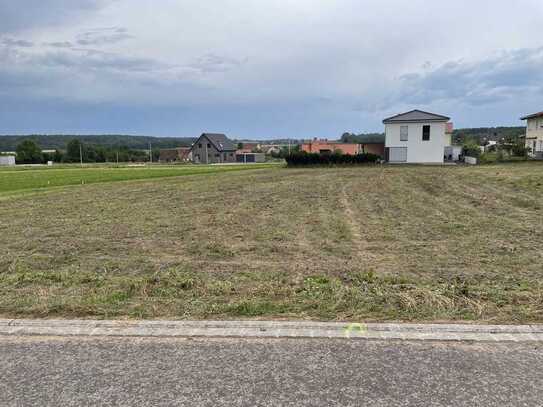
column 416, row 137
column 213, row 148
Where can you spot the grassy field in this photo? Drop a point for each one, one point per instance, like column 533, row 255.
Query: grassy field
column 367, row 243
column 18, row 179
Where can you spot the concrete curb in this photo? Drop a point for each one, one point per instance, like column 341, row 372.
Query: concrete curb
column 273, row 329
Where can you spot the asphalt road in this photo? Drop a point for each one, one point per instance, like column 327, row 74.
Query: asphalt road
column 36, row 371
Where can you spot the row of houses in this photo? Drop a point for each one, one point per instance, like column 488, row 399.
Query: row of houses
column 412, row 137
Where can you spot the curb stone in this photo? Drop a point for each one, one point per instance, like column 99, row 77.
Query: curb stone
column 274, row 329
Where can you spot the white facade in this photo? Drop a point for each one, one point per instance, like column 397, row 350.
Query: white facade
column 406, row 140
column 534, row 135
column 7, row 160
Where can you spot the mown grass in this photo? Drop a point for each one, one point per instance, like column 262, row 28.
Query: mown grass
column 31, row 178
column 372, row 243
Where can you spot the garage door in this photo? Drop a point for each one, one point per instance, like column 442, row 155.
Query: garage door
column 398, row 154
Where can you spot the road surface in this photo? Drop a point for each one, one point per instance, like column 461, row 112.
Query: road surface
column 76, row 371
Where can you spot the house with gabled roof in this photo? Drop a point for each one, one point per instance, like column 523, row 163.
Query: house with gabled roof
column 534, row 134
column 416, row 137
column 213, row 148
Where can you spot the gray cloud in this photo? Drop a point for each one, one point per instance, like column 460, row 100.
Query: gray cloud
column 502, row 76
column 59, row 44
column 307, row 66
column 11, row 42
column 85, row 60
column 210, row 63
column 103, row 36
column 39, row 13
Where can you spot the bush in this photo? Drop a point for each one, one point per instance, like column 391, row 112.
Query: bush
column 471, row 148
column 301, row 159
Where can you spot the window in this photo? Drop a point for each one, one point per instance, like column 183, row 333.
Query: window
column 208, row 145
column 425, row 133
column 199, row 145
column 404, row 133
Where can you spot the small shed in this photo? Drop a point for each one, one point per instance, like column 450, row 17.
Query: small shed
column 6, row 160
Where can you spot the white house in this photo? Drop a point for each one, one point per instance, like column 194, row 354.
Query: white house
column 7, row 160
column 534, row 134
column 416, row 137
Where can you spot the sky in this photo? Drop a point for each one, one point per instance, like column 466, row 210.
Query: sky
column 264, row 69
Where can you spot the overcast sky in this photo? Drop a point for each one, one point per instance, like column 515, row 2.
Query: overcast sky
column 264, row 68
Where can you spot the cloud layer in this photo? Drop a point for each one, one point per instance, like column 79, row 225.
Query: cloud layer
column 281, row 68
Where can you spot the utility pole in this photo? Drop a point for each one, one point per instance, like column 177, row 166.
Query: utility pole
column 150, row 154
column 288, row 146
column 80, row 154
column 117, row 157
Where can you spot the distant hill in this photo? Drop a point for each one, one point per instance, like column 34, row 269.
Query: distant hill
column 58, row 142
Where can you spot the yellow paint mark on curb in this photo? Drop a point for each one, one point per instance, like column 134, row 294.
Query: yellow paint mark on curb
column 354, row 327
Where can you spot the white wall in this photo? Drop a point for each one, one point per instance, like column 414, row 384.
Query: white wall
column 419, row 151
column 7, row 160
column 534, row 135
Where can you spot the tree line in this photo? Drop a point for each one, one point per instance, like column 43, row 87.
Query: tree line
column 29, row 152
column 59, row 142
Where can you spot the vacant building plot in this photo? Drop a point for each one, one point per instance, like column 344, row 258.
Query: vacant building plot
column 367, row 243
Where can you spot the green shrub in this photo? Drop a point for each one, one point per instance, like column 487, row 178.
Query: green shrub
column 471, row 148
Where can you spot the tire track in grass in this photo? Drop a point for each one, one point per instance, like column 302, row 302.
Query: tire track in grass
column 357, row 239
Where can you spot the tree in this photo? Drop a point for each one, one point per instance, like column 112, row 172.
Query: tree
column 73, row 151
column 470, row 148
column 57, row 156
column 28, row 152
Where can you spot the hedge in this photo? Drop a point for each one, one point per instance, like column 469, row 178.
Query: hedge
column 303, row 158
